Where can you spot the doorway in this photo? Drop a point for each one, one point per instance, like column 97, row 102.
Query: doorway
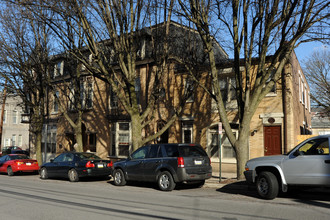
column 272, row 140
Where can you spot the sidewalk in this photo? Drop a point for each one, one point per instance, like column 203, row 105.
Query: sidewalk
column 226, row 178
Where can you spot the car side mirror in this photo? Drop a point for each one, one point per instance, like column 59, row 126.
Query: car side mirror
column 298, row 153
column 52, row 160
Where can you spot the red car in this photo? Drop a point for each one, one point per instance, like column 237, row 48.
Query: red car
column 13, row 163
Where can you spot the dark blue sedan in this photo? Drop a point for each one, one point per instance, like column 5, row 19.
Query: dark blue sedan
column 74, row 165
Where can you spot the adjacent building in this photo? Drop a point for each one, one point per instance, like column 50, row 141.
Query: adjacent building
column 14, row 132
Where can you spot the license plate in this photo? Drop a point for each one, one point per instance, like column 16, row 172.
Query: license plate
column 100, row 166
column 198, row 162
column 28, row 164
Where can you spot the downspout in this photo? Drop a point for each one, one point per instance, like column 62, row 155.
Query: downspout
column 4, row 94
column 284, row 103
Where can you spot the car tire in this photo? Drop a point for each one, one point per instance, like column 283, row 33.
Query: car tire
column 10, row 171
column 165, row 181
column 43, row 173
column 73, row 175
column 119, row 177
column 267, row 185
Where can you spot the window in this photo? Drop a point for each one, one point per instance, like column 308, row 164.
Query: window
column 60, row 158
column 227, row 151
column 92, row 142
column 89, row 60
column 20, row 140
column 227, row 87
column 72, row 102
column 5, row 116
column 58, row 68
column 138, row 89
column 315, row 147
column 140, row 153
column 13, row 140
column 120, row 139
column 187, row 132
column 113, row 99
column 154, row 152
column 189, row 90
column 15, row 114
column 48, row 139
column 87, row 94
column 7, row 142
column 55, row 103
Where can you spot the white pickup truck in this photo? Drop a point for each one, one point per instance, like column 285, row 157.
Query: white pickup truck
column 308, row 164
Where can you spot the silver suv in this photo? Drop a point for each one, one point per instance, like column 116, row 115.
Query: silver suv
column 166, row 164
column 306, row 164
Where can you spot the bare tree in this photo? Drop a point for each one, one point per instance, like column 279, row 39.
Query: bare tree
column 24, row 62
column 257, row 29
column 119, row 36
column 317, row 72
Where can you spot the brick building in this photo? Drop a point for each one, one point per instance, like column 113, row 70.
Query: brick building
column 281, row 117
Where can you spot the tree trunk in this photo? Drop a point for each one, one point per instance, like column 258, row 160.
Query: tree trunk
column 242, row 149
column 136, row 131
column 38, row 147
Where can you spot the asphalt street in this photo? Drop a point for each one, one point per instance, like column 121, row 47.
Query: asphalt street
column 28, row 197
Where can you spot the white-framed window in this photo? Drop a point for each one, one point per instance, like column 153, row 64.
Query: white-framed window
column 306, row 97
column 302, row 89
column 187, row 131
column 15, row 117
column 20, row 140
column 90, row 57
column 5, row 116
column 86, row 89
column 58, row 68
column 300, row 92
column 309, row 101
column 227, row 151
column 272, row 91
column 121, row 139
column 13, row 140
column 7, row 142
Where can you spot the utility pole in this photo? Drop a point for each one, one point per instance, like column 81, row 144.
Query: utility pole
column 4, row 96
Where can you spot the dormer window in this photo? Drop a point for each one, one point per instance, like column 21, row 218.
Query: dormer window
column 58, row 68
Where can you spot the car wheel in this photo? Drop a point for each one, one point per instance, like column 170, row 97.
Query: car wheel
column 267, row 185
column 119, row 178
column 10, row 171
column 73, row 175
column 43, row 173
column 165, row 181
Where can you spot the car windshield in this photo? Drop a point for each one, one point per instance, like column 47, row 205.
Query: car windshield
column 88, row 156
column 17, row 157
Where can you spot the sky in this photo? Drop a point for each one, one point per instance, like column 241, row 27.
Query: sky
column 306, row 49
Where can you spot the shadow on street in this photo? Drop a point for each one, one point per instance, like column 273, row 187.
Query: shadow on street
column 318, row 197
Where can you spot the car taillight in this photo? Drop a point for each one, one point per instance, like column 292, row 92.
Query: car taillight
column 110, row 164
column 19, row 163
column 89, row 164
column 180, row 162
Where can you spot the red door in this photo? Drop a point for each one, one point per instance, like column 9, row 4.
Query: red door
column 272, row 140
